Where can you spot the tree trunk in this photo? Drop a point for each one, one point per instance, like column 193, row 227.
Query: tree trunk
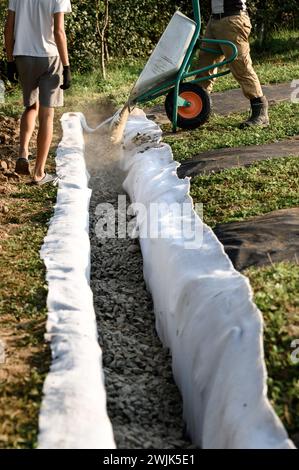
column 101, row 32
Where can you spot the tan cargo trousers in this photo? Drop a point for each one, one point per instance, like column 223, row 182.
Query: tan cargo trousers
column 237, row 29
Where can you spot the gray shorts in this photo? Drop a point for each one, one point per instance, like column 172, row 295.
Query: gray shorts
column 40, row 79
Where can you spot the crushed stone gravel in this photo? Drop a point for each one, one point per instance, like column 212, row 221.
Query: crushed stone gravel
column 143, row 402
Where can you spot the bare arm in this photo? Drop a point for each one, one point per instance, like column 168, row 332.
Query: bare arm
column 60, row 38
column 9, row 35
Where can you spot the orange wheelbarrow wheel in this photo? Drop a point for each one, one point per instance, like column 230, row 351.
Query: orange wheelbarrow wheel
column 196, row 113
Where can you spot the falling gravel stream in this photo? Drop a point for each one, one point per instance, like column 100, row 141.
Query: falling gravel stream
column 143, row 401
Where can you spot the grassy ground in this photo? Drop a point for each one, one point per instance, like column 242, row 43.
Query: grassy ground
column 23, row 312
column 276, row 294
column 232, row 195
column 238, row 193
column 222, row 131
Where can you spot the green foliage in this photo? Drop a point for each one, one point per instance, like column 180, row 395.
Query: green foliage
column 82, row 39
column 275, row 13
column 133, row 30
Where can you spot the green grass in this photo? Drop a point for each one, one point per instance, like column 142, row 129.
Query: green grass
column 13, row 105
column 120, row 78
column 222, row 132
column 238, row 193
column 276, row 295
column 269, row 72
column 23, row 312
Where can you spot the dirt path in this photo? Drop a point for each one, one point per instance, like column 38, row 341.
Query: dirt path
column 233, row 101
column 143, row 402
column 221, row 159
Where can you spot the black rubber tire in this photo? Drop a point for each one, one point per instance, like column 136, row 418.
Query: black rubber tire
column 201, row 118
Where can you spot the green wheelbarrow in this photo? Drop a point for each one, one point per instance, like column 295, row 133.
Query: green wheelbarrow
column 167, row 72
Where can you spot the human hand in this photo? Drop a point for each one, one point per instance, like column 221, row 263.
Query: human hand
column 12, row 72
column 67, row 78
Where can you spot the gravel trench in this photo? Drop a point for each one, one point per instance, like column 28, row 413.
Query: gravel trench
column 144, row 403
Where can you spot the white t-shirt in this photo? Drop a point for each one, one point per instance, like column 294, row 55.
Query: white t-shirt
column 34, row 26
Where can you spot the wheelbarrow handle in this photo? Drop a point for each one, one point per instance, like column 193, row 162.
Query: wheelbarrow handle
column 220, row 41
column 229, row 60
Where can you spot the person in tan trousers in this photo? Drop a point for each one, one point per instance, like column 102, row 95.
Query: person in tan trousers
column 230, row 21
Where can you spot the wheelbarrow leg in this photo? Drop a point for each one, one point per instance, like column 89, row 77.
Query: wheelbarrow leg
column 175, row 107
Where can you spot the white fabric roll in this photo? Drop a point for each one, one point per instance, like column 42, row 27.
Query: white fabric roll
column 204, row 308
column 73, row 413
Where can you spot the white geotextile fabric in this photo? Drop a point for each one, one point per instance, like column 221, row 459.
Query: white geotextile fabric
column 73, row 412
column 204, row 310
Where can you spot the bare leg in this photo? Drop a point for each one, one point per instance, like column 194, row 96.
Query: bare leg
column 28, row 121
column 44, row 140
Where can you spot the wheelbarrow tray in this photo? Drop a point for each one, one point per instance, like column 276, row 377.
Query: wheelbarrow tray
column 167, row 58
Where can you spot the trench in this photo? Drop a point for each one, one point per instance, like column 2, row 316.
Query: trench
column 144, row 404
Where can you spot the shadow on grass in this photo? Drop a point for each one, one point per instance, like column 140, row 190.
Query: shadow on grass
column 273, row 47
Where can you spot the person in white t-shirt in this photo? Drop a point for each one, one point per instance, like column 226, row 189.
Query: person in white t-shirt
column 37, row 53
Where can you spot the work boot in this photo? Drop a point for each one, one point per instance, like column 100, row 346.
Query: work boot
column 259, row 113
